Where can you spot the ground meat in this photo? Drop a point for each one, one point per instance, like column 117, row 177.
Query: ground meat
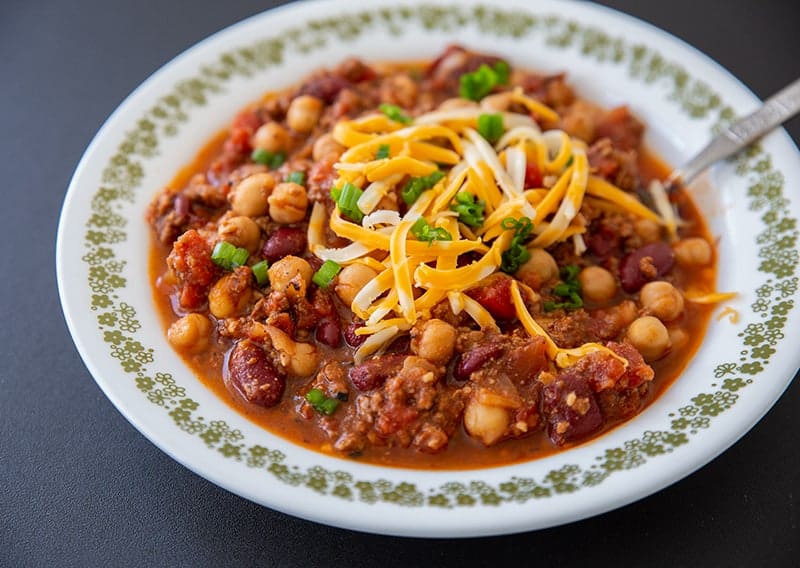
column 321, row 178
column 575, row 328
column 619, row 404
column 622, row 128
column 619, row 166
column 413, row 408
column 552, row 90
column 193, row 207
column 580, row 120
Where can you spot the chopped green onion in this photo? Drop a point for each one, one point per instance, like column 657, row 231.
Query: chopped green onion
column 326, row 273
column 569, row 162
column 476, row 85
column 347, row 198
column 297, row 177
column 383, row 152
column 273, row 160
column 490, row 126
column 228, row 256
column 423, row 231
column 569, row 289
column 502, row 72
column 415, row 186
column 516, row 255
column 395, row 113
column 260, row 271
column 469, row 208
column 321, row 403
column 239, row 257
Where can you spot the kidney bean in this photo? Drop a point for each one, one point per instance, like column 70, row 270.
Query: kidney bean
column 472, row 360
column 284, row 241
column 630, row 268
column 252, row 374
column 400, row 345
column 496, row 297
column 570, row 408
column 182, row 205
column 373, row 373
column 329, row 332
column 350, row 336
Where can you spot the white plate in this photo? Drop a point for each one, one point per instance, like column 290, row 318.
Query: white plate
column 738, row 374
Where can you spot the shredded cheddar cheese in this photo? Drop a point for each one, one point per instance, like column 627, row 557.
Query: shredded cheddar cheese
column 414, row 275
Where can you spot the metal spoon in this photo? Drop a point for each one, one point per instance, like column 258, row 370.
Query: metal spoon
column 777, row 109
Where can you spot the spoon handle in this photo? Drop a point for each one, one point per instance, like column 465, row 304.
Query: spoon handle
column 776, row 110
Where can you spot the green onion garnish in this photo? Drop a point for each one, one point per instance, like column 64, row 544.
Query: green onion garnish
column 297, row 177
column 490, row 126
column 469, row 208
column 260, row 272
column 415, row 186
column 273, row 160
column 569, row 289
column 228, row 256
column 383, row 152
column 395, row 113
column 346, row 197
column 516, row 255
column 476, row 85
column 326, row 273
column 423, row 231
column 321, row 403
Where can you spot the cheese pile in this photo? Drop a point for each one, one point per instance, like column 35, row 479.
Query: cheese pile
column 412, row 275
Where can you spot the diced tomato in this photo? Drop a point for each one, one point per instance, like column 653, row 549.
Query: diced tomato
column 191, row 260
column 244, row 125
column 533, row 177
column 496, row 297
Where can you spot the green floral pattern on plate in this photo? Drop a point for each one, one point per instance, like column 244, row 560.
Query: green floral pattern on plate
column 122, row 177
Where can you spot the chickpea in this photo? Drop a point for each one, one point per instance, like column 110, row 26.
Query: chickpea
column 190, row 333
column 291, row 275
column 240, row 231
column 325, row 146
column 497, row 102
column 484, row 422
column 456, row 103
column 678, row 338
column 230, row 294
column 299, row 359
column 434, row 340
column 288, row 203
column 351, row 280
column 693, row 251
column 303, row 113
column 250, row 196
column 598, row 284
column 649, row 336
column 662, row 300
column 271, row 137
column 540, row 269
column 649, row 231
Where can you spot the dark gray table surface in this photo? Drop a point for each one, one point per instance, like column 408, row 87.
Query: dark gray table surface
column 80, row 486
